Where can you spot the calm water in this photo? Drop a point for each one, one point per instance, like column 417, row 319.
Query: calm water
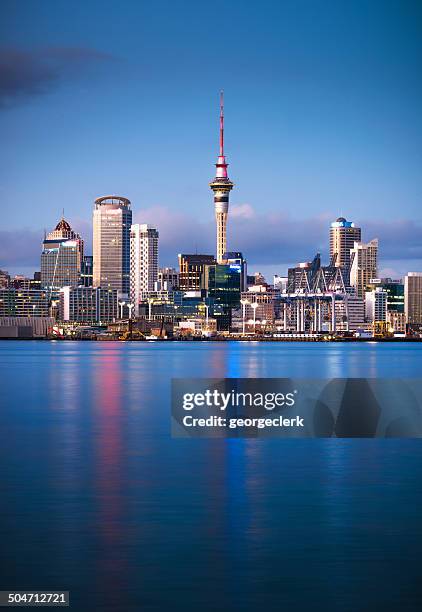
column 97, row 499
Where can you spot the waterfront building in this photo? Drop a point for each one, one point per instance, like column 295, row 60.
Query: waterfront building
column 191, row 270
column 355, row 316
column 198, row 326
column 376, row 305
column 396, row 321
column 61, row 258
column 88, row 304
column 413, row 297
column 364, row 263
column 87, row 272
column 260, row 302
column 143, row 261
column 343, row 235
column 395, row 292
column 23, row 302
column 112, row 220
column 25, row 327
column 221, row 186
column 223, row 284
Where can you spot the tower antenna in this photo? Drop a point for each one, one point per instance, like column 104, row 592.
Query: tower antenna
column 221, row 123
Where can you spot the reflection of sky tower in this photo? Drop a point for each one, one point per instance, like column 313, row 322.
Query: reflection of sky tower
column 221, row 187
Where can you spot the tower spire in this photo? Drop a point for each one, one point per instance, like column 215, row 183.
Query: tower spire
column 221, row 187
column 221, row 123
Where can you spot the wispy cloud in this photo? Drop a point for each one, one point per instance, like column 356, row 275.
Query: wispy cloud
column 266, row 239
column 24, row 74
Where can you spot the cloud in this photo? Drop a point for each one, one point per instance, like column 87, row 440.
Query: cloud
column 270, row 240
column 20, row 248
column 242, row 211
column 24, row 74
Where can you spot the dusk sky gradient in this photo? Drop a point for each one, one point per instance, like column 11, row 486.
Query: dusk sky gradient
column 323, row 117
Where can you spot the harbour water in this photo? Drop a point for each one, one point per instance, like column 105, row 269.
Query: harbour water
column 98, row 499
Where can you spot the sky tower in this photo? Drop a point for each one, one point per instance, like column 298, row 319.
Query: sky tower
column 221, row 187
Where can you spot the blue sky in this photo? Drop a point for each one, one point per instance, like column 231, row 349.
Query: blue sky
column 323, row 118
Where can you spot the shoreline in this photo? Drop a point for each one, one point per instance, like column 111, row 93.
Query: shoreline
column 221, row 339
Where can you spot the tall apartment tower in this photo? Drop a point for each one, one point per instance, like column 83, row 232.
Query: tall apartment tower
column 364, row 265
column 143, row 261
column 413, row 297
column 61, row 258
column 221, row 186
column 343, row 235
column 112, row 220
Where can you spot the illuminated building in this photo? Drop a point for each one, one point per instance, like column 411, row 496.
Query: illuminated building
column 88, row 304
column 23, row 303
column 61, row 258
column 343, row 235
column 112, row 219
column 143, row 261
column 364, row 257
column 413, row 297
column 191, row 270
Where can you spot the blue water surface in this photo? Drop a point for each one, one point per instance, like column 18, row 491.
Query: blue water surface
column 98, row 499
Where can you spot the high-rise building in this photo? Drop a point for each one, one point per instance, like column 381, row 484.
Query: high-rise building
column 413, row 297
column 343, row 235
column 112, row 220
column 143, row 261
column 221, row 186
column 191, row 270
column 223, row 283
column 364, row 265
column 376, row 305
column 61, row 258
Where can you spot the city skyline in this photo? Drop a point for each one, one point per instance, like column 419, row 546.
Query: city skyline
column 319, row 134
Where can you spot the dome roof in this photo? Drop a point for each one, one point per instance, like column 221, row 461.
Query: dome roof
column 341, row 220
column 63, row 225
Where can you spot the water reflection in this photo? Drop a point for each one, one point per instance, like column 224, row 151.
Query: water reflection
column 124, row 515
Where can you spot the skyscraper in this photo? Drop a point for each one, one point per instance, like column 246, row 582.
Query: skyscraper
column 413, row 297
column 191, row 270
column 143, row 261
column 364, row 265
column 221, row 186
column 112, row 220
column 343, row 235
column 61, row 258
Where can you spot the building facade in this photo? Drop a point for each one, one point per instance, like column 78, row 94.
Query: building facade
column 343, row 235
column 223, row 284
column 413, row 297
column 168, row 279
column 364, row 265
column 376, row 305
column 87, row 276
column 143, row 261
column 61, row 258
column 24, row 302
column 192, row 269
column 88, row 305
column 112, row 220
